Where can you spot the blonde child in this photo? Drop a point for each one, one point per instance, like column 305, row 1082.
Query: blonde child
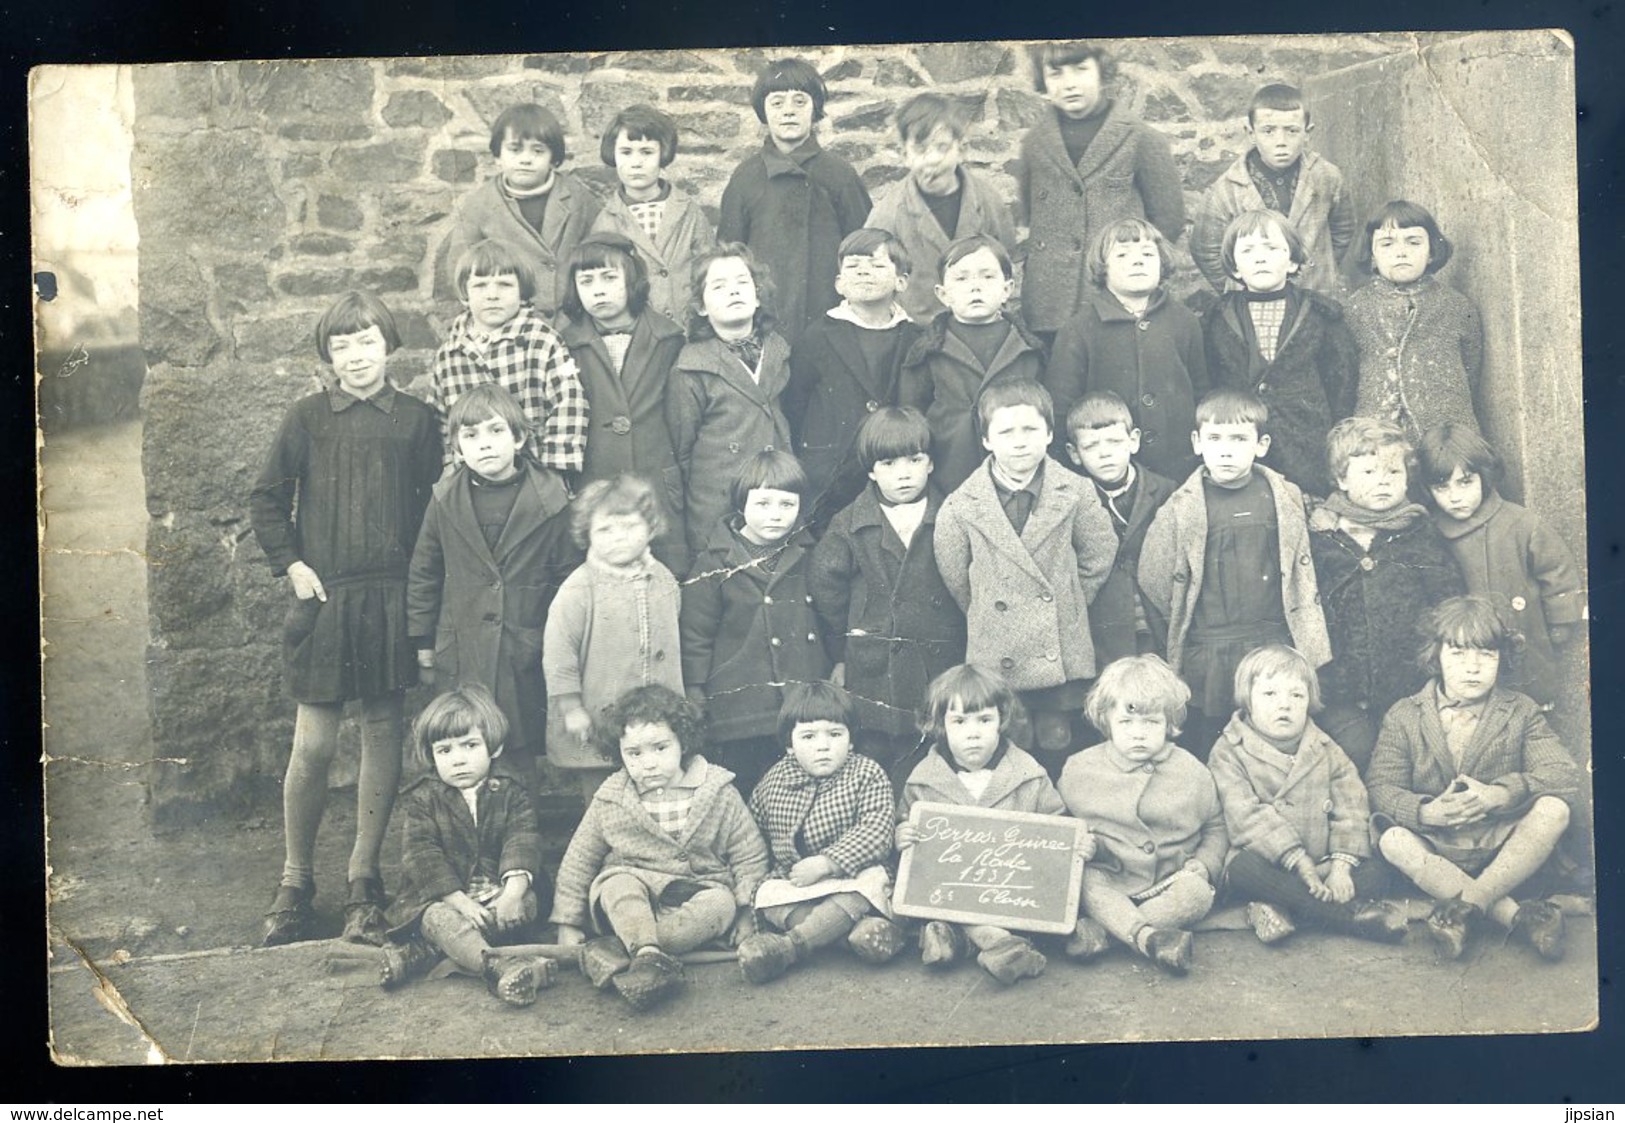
column 336, row 508
column 667, row 227
column 827, row 813
column 494, row 547
column 1286, row 344
column 499, row 337
column 941, row 200
column 538, row 211
column 471, row 855
column 1506, row 553
column 1420, row 342
column 793, row 202
column 1084, row 165
column 1279, row 173
column 666, row 859
column 969, row 761
column 1155, row 813
column 613, row 625
column 1470, row 790
column 1131, row 338
column 722, row 401
column 624, row 352
column 1296, row 810
column 747, row 623
column 1226, row 564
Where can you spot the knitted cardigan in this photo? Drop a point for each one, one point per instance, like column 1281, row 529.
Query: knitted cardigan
column 1421, row 350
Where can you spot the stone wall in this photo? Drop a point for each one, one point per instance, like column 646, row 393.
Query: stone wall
column 263, row 189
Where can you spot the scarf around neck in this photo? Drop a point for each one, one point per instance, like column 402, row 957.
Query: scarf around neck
column 1399, row 518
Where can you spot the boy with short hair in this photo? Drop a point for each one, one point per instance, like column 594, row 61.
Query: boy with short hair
column 1103, row 441
column 846, row 366
column 1279, row 173
column 500, row 338
column 968, row 348
column 1225, row 566
column 1024, row 548
column 792, row 202
column 531, row 206
column 1083, row 166
column 942, row 200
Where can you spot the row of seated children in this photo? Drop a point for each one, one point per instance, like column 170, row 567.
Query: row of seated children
column 1469, row 795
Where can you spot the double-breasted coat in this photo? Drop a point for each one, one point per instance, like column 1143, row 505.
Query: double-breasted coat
column 486, row 608
column 1127, row 171
column 942, row 378
column 489, row 212
column 746, row 630
column 885, row 611
column 1026, row 597
column 719, row 417
column 1308, row 386
column 1111, row 614
column 1322, row 214
column 903, row 211
column 684, row 234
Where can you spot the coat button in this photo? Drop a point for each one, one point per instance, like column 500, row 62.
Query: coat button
column 1182, row 577
column 1144, row 325
column 1043, row 193
column 1519, row 604
column 1263, row 387
column 664, row 273
column 999, row 606
column 1045, row 597
column 1368, row 564
column 1007, row 663
column 774, row 641
column 1077, row 189
column 1148, row 399
column 809, row 598
column 767, row 600
column 490, row 618
column 812, row 637
column 1149, row 847
column 871, row 405
column 659, row 655
column 1327, row 807
column 1052, row 655
column 621, row 426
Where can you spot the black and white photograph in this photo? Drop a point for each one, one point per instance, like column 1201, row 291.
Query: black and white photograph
column 826, row 547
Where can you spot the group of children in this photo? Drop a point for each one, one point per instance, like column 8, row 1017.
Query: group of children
column 928, row 543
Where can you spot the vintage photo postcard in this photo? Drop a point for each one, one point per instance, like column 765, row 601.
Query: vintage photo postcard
column 528, row 541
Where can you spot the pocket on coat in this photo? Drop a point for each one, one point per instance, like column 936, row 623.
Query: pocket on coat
column 300, row 621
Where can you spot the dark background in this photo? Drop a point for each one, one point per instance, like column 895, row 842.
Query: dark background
column 1573, row 1068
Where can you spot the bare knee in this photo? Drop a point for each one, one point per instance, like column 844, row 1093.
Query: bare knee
column 1400, row 846
column 1548, row 813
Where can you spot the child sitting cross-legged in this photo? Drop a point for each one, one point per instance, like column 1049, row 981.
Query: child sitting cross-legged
column 471, row 855
column 666, row 859
column 827, row 814
column 1296, row 810
column 1470, row 790
column 970, row 762
column 1155, row 813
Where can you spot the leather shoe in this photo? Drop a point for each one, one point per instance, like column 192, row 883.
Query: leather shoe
column 1540, row 925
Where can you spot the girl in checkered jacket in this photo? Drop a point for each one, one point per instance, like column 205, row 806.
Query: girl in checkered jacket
column 827, row 814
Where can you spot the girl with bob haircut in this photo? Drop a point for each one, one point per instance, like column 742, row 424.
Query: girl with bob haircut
column 1470, row 789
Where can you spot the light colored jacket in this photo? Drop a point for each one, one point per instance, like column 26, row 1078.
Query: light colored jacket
column 1019, row 783
column 1174, row 554
column 903, row 211
column 684, row 234
column 1322, row 214
column 489, row 212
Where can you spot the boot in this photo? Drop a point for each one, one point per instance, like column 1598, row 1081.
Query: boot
column 1087, row 941
column 400, row 963
column 1170, row 949
column 602, row 959
column 1012, row 960
column 516, row 978
column 1377, row 920
column 1269, row 923
column 653, row 978
column 1450, row 926
column 941, row 944
column 1540, row 925
column 874, row 939
column 364, row 912
column 765, row 956
column 290, row 917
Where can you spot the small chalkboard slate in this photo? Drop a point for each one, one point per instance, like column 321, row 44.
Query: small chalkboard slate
column 976, row 866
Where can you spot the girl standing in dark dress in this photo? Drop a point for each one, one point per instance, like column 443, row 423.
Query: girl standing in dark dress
column 336, row 509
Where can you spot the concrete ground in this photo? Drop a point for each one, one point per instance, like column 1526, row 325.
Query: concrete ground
column 149, row 932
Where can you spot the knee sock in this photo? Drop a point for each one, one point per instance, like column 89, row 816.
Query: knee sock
column 1183, row 903
column 625, row 901
column 304, row 789
column 454, row 934
column 698, row 920
column 379, row 777
column 825, row 923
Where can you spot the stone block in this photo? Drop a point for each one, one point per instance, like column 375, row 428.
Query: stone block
column 302, row 165
column 185, row 90
column 879, row 175
column 328, row 89
column 393, row 278
column 490, row 99
column 415, row 109
column 841, row 71
column 338, row 213
column 1223, row 96
column 1249, row 54
column 266, row 339
column 1165, row 105
column 460, row 67
column 1182, row 53
column 713, row 126
column 895, row 72
column 733, row 95
column 562, row 63
column 1018, row 109
column 394, row 161
column 751, row 60
column 416, row 331
column 192, row 184
column 963, row 62
column 314, row 282
column 322, row 245
column 602, row 98
column 188, row 560
column 870, row 116
column 241, row 284
column 852, row 151
column 453, row 165
column 681, row 62
column 175, row 324
column 325, row 131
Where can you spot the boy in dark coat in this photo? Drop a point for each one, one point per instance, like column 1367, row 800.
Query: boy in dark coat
column 845, row 367
column 1102, row 440
column 965, row 350
column 494, row 548
column 471, row 855
column 1381, row 566
column 792, row 202
column 890, row 622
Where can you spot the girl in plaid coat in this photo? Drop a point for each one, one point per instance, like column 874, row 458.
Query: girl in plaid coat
column 827, row 814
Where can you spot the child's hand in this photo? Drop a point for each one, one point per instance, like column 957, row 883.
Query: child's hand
column 578, row 723
column 907, row 835
column 1304, row 867
column 809, row 871
column 744, row 926
column 305, row 582
column 471, row 910
column 1477, row 799
column 570, row 936
column 426, row 666
column 1088, row 846
column 1194, row 868
column 509, row 907
column 837, row 676
column 1339, row 884
column 696, row 695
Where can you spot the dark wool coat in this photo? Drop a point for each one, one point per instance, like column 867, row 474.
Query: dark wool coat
column 1127, row 171
column 903, row 211
column 1376, row 603
column 486, row 609
column 1026, row 597
column 793, row 211
column 942, row 379
column 1317, row 804
column 1308, row 387
column 1421, row 352
column 1506, row 552
column 719, row 417
column 443, row 849
column 831, row 390
column 720, row 846
column 885, row 612
column 1111, row 613
column 1155, row 362
column 489, row 212
column 1512, row 748
column 747, row 631
column 847, row 818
